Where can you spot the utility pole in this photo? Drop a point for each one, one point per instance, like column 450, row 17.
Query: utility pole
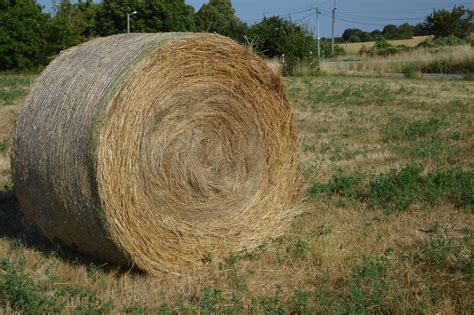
column 128, row 20
column 319, row 38
column 333, row 25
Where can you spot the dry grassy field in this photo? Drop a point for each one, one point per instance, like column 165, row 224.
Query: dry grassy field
column 355, row 47
column 387, row 223
column 449, row 59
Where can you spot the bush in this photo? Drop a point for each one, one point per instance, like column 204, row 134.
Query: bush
column 411, row 72
column 442, row 41
column 383, row 48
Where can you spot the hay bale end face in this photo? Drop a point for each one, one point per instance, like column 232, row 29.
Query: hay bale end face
column 154, row 149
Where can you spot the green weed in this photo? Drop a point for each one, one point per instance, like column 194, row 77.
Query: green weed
column 398, row 130
column 134, row 310
column 370, row 284
column 24, row 294
column 410, row 71
column 398, row 190
column 4, row 145
column 18, row 287
column 298, row 249
column 269, row 304
column 445, row 252
column 12, row 88
column 341, row 185
column 438, row 248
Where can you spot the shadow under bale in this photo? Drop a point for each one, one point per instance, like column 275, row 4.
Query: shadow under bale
column 13, row 225
column 15, row 228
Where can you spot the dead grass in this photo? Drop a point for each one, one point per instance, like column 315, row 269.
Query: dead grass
column 339, row 254
column 422, row 59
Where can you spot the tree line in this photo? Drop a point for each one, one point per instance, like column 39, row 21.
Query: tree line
column 30, row 38
column 441, row 23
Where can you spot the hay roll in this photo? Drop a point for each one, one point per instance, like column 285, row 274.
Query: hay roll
column 152, row 149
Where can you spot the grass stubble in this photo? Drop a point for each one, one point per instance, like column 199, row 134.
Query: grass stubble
column 344, row 254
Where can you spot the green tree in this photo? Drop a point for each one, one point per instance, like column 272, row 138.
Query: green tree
column 152, row 16
column 73, row 24
column 458, row 22
column 352, row 32
column 218, row 16
column 421, row 30
column 354, row 39
column 405, row 31
column 275, row 37
column 376, row 34
column 390, row 31
column 22, row 28
column 355, row 35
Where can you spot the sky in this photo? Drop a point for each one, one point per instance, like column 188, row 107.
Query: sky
column 364, row 14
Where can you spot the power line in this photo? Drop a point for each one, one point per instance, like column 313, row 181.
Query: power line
column 294, row 12
column 305, row 17
column 278, row 13
column 347, row 15
column 373, row 18
column 360, row 17
column 399, row 11
column 354, row 22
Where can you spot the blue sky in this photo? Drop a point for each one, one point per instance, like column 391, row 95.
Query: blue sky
column 364, row 14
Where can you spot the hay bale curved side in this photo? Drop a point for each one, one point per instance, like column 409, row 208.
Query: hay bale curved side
column 152, row 149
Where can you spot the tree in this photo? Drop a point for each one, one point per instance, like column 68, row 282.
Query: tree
column 72, row 25
column 405, row 31
column 421, row 30
column 355, row 35
column 274, row 37
column 354, row 39
column 218, row 16
column 351, row 32
column 152, row 16
column 376, row 34
column 22, row 28
column 458, row 22
column 390, row 31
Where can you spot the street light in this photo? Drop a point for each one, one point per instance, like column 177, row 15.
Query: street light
column 128, row 20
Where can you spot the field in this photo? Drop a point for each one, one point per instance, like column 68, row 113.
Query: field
column 449, row 59
column 355, row 47
column 387, row 223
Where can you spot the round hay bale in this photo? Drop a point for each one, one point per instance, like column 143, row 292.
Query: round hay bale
column 155, row 149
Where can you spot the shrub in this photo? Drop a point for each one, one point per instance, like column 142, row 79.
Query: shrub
column 410, row 71
column 442, row 41
column 4, row 145
column 381, row 48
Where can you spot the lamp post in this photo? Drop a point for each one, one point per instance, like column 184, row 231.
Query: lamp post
column 128, row 20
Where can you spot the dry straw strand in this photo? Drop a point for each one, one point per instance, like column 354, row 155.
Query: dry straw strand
column 153, row 149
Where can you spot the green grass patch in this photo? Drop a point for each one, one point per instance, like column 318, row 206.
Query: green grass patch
column 397, row 190
column 398, row 129
column 12, row 88
column 445, row 252
column 30, row 297
column 4, row 145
